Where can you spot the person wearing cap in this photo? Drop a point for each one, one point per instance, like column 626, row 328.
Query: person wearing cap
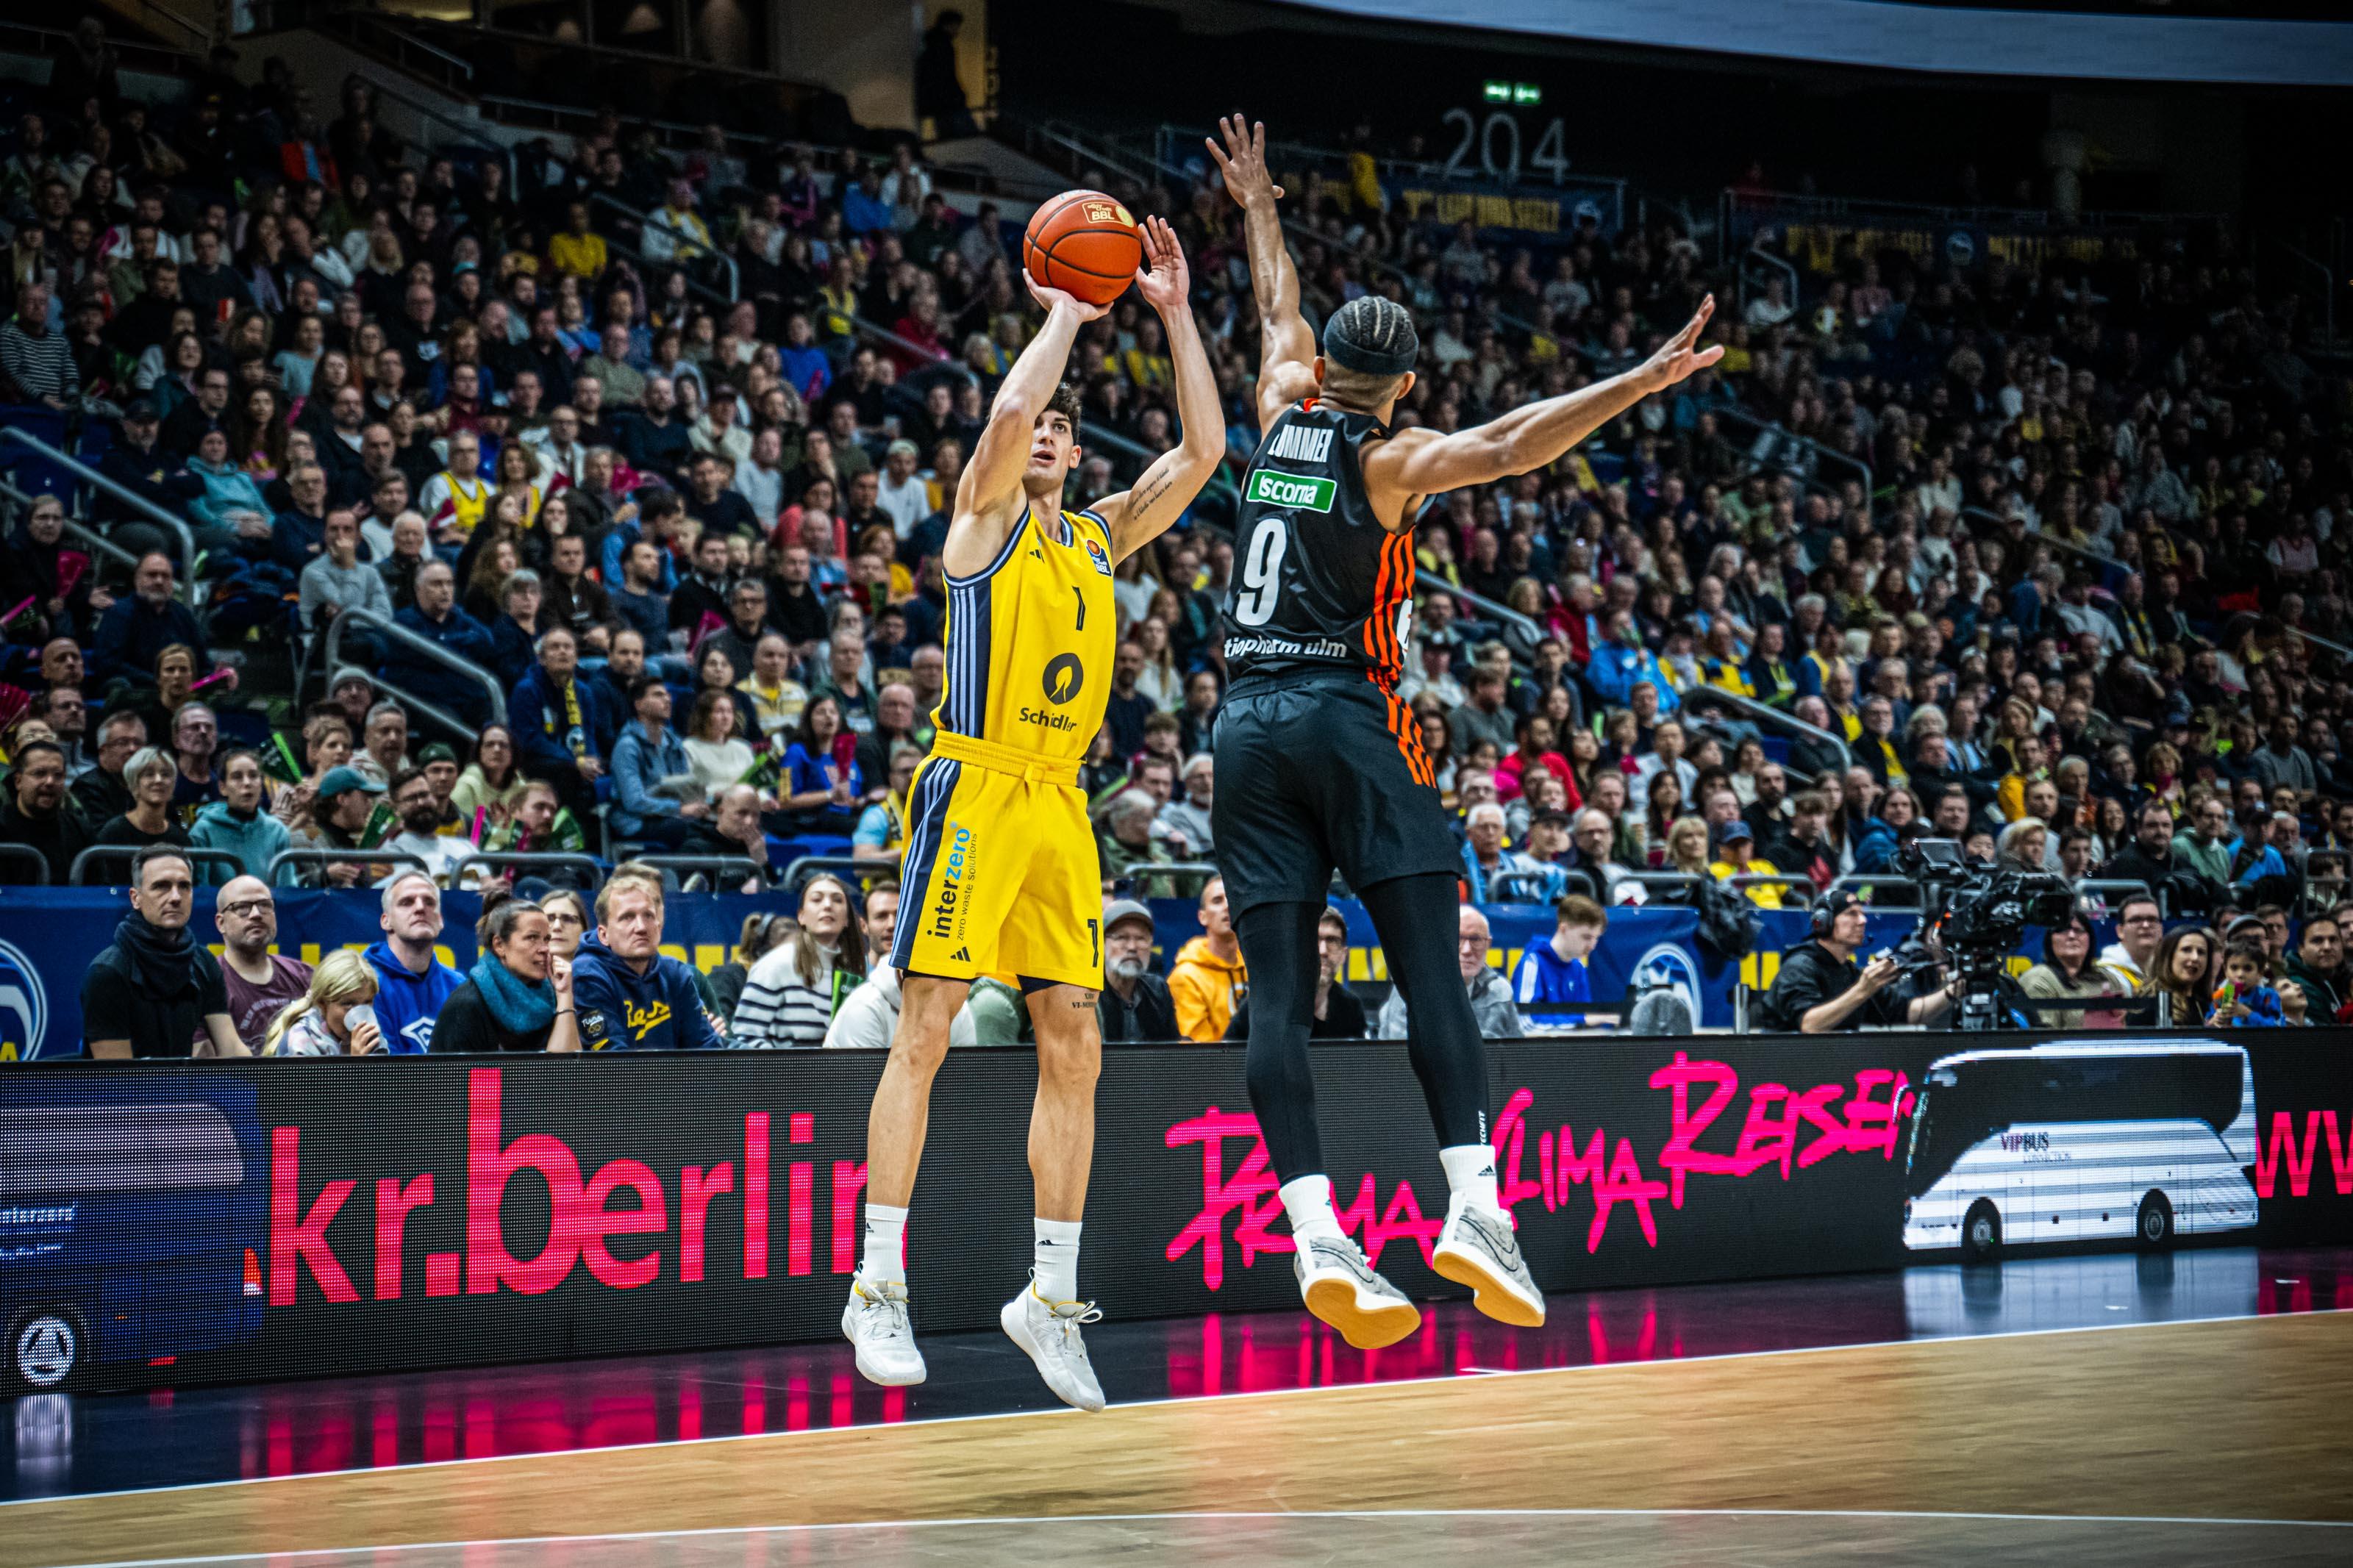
column 1735, row 855
column 1135, row 1005
column 438, row 763
column 1822, row 990
column 136, row 460
column 340, row 813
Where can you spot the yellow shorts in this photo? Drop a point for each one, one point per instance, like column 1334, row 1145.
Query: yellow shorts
column 1001, row 876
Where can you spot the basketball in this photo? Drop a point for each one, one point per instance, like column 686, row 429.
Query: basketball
column 1085, row 243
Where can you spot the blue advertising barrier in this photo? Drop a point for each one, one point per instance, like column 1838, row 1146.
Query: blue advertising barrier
column 48, row 935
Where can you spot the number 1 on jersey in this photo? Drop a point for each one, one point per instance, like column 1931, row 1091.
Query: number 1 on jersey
column 1262, row 572
column 1082, row 595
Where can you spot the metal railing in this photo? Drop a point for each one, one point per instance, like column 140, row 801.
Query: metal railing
column 295, row 859
column 81, row 533
column 848, row 866
column 464, row 134
column 719, row 867
column 425, row 648
column 1779, row 431
column 704, row 249
column 24, row 854
column 148, row 509
column 529, row 860
column 1514, row 877
column 1749, row 705
column 99, row 854
column 1743, row 880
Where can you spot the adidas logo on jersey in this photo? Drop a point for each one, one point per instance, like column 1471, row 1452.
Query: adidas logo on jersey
column 961, row 956
column 1301, row 443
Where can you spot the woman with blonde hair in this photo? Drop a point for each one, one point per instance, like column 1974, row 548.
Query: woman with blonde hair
column 332, row 1019
column 761, row 931
column 1687, row 847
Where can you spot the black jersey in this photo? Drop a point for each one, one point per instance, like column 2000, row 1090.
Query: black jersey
column 1318, row 583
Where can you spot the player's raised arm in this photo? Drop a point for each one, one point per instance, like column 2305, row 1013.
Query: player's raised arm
column 1141, row 514
column 1286, row 368
column 1422, row 462
column 989, row 500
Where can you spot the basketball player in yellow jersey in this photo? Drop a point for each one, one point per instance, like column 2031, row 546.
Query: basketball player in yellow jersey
column 1001, row 875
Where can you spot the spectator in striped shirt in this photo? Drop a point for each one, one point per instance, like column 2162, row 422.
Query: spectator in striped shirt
column 36, row 365
column 790, row 995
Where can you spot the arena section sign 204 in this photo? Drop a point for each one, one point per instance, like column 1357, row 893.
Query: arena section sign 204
column 180, row 1222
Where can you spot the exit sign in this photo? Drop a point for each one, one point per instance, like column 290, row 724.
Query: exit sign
column 1523, row 93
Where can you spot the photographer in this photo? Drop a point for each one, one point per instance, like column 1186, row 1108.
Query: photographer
column 1820, row 988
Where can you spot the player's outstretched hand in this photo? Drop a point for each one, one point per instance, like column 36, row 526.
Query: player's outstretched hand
column 1242, row 160
column 1163, row 280
column 1053, row 299
column 1678, row 357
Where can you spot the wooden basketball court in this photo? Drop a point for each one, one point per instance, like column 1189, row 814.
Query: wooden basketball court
column 2196, row 1442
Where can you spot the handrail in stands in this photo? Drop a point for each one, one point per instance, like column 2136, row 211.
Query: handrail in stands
column 1782, row 432
column 172, row 525
column 81, row 533
column 1771, row 715
column 294, row 859
column 98, row 854
column 429, row 649
column 810, row 865
column 25, row 852
column 1743, row 880
column 709, row 249
column 719, row 866
column 525, row 859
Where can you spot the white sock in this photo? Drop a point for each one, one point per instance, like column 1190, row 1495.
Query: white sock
column 1055, row 1250
column 1471, row 1177
column 1308, row 1201
column 886, row 1246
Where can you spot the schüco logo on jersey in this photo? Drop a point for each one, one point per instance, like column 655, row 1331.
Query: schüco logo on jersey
column 1296, row 491
column 952, row 878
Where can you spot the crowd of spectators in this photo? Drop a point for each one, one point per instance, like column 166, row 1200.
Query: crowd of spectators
column 2068, row 618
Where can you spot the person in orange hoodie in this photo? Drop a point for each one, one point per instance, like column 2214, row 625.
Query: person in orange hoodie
column 1208, row 979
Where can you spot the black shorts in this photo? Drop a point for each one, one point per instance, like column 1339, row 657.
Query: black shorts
column 1318, row 774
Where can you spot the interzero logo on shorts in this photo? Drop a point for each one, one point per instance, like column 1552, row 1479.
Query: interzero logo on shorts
column 952, row 870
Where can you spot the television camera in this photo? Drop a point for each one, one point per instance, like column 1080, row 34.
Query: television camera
column 1977, row 916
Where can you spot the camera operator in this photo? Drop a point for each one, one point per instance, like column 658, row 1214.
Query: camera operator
column 1820, row 988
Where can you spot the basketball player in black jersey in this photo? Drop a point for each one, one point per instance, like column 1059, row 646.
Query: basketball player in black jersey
column 1320, row 766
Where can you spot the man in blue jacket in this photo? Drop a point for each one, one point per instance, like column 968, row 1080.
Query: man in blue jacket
column 648, row 753
column 630, row 997
column 437, row 619
column 1619, row 664
column 411, row 981
column 133, row 630
column 563, row 727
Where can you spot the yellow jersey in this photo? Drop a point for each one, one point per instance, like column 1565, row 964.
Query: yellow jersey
column 1030, row 641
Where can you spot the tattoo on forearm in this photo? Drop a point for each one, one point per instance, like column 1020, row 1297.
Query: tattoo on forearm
column 1153, row 488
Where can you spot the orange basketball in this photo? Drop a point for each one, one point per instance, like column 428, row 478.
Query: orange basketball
column 1085, row 243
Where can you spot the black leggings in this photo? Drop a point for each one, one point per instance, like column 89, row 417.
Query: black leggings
column 1416, row 918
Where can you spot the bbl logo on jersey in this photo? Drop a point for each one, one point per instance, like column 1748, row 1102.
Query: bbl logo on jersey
column 1095, row 553
column 24, row 1005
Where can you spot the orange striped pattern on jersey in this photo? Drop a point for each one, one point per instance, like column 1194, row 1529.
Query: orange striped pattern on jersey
column 1392, row 584
column 1407, row 730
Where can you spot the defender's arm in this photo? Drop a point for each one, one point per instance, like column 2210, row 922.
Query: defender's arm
column 1422, row 462
column 1286, row 370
